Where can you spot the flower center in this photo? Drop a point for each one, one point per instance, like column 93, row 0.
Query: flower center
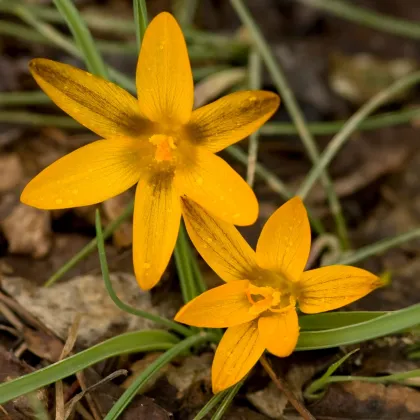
column 165, row 146
column 267, row 298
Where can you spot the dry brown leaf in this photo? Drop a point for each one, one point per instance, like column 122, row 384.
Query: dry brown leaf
column 11, row 171
column 113, row 208
column 86, row 295
column 28, row 231
column 362, row 400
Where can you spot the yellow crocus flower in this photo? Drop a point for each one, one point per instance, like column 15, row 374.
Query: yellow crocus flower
column 257, row 304
column 157, row 141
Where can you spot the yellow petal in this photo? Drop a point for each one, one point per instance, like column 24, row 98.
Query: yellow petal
column 86, row 176
column 221, row 307
column 285, row 240
column 211, row 182
column 280, row 332
column 327, row 288
column 99, row 105
column 157, row 214
column 220, row 244
column 231, row 118
column 164, row 79
column 238, row 351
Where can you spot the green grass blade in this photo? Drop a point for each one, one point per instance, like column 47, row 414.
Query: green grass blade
column 390, row 323
column 227, row 400
column 255, row 76
column 313, row 390
column 139, row 341
column 386, row 119
column 91, row 246
column 369, row 18
column 212, row 403
column 331, row 320
column 152, row 369
column 378, row 247
column 181, row 329
column 141, row 20
column 183, row 264
column 295, row 112
column 350, row 127
column 82, row 37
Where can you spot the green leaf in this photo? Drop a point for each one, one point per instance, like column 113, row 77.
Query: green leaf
column 390, row 323
column 141, row 20
column 212, row 403
column 82, row 37
column 331, row 320
column 152, row 369
column 140, row 341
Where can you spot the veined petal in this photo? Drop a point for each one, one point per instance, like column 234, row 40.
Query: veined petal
column 238, row 351
column 219, row 243
column 157, row 214
column 221, row 307
column 231, row 118
column 99, row 105
column 164, row 79
column 211, row 182
column 285, row 240
column 88, row 175
column 280, row 332
column 327, row 288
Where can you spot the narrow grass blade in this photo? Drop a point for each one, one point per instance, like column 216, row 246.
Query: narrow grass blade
column 152, row 369
column 183, row 257
column 255, row 75
column 212, row 403
column 348, row 10
column 139, row 341
column 350, row 127
column 181, row 329
column 140, row 19
column 227, row 401
column 408, row 378
column 313, row 390
column 378, row 247
column 390, row 323
column 184, row 11
column 295, row 112
column 91, row 246
column 386, row 119
column 82, row 37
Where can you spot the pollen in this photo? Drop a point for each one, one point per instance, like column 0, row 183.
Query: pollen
column 165, row 146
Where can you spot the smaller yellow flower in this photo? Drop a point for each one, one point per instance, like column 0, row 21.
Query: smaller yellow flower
column 257, row 305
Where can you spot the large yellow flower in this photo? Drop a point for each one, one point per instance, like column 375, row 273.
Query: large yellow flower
column 257, row 305
column 157, row 141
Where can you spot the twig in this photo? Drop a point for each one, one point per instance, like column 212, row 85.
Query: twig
column 283, row 388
